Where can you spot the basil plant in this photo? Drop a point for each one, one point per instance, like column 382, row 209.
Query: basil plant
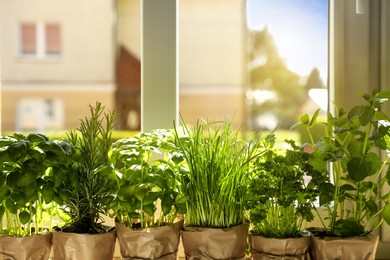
column 30, row 170
column 147, row 167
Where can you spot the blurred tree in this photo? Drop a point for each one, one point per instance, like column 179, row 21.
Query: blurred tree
column 314, row 80
column 269, row 74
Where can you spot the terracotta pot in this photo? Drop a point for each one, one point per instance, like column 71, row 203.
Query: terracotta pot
column 215, row 243
column 149, row 243
column 35, row 247
column 351, row 248
column 263, row 248
column 72, row 246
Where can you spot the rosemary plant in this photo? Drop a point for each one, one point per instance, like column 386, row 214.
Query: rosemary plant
column 218, row 172
column 89, row 180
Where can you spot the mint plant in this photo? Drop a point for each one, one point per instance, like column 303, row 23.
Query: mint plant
column 354, row 154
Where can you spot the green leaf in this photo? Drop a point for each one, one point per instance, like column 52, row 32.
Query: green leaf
column 4, row 156
column 150, row 198
column 386, row 213
column 48, row 193
column 371, row 206
column 2, row 211
column 327, row 191
column 18, row 150
column 12, row 180
column 11, row 206
column 346, row 187
column 126, row 192
column 348, row 228
column 314, row 118
column 59, row 175
column 383, row 94
column 31, row 192
column 167, row 203
column 24, row 217
column 58, row 199
column 73, row 179
column 3, row 192
column 305, row 119
column 358, row 168
column 150, row 209
column 20, row 199
column 37, row 138
column 141, row 190
column 27, row 177
column 181, row 203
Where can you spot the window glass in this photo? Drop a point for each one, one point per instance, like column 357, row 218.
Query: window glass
column 52, row 37
column 287, row 61
column 28, row 38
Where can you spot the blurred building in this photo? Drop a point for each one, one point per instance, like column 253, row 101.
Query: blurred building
column 57, row 57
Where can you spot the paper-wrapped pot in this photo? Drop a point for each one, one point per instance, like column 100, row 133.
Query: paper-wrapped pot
column 351, row 248
column 215, row 243
column 149, row 243
column 35, row 247
column 73, row 246
column 263, row 248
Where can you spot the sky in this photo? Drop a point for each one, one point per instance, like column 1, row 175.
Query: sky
column 299, row 28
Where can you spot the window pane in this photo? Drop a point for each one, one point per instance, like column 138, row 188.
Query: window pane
column 52, row 38
column 288, row 61
column 28, row 39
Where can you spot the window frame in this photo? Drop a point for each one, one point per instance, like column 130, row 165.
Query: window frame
column 41, row 51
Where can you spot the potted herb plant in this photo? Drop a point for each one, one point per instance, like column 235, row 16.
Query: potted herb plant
column 26, row 162
column 354, row 154
column 86, row 191
column 215, row 185
column 148, row 207
column 280, row 199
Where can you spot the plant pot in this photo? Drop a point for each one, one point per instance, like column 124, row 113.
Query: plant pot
column 149, row 243
column 351, row 248
column 215, row 243
column 83, row 246
column 263, row 248
column 35, row 247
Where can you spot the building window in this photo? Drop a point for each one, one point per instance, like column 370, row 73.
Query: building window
column 39, row 114
column 40, row 40
column 52, row 38
column 28, row 39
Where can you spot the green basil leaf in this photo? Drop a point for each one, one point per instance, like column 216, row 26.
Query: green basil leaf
column 24, row 217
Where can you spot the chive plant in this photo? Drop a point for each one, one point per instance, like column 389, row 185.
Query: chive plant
column 218, row 172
